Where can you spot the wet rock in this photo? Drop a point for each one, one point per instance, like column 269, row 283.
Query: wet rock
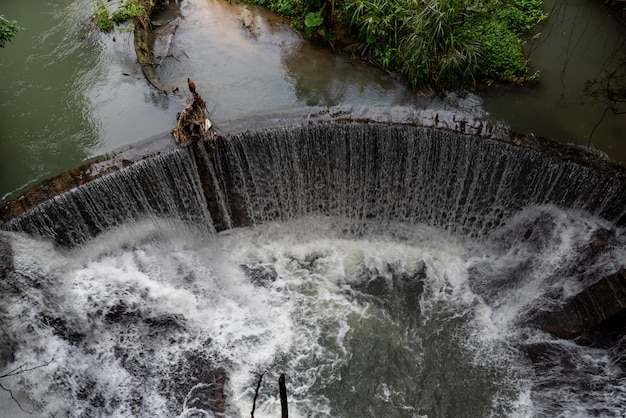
column 62, row 329
column 197, row 381
column 596, row 316
column 567, row 373
column 601, row 242
column 121, row 313
column 6, row 258
column 547, row 353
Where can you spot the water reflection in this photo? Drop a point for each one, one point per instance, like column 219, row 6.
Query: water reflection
column 323, row 80
column 68, row 94
column 237, row 73
column 247, row 61
column 41, row 122
column 580, row 41
column 64, row 97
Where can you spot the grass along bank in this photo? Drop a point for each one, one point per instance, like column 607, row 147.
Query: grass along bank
column 439, row 44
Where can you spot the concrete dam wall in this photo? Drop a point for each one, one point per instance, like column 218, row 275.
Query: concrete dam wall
column 360, row 170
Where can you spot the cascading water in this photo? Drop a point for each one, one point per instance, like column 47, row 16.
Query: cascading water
column 390, row 271
column 166, row 186
column 455, row 182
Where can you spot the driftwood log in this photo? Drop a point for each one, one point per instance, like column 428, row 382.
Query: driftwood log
column 256, row 395
column 283, row 396
column 192, row 124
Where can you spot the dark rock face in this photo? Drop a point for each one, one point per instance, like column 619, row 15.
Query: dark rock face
column 596, row 316
column 565, row 377
column 6, row 258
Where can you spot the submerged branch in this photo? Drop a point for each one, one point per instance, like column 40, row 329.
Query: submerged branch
column 283, row 396
column 144, row 41
column 168, row 46
column 19, row 370
column 15, row 400
column 256, row 394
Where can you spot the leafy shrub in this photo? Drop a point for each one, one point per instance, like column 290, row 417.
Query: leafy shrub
column 8, row 30
column 379, row 26
column 105, row 21
column 431, row 43
column 129, row 10
column 501, row 52
column 445, row 43
column 102, row 17
column 438, row 51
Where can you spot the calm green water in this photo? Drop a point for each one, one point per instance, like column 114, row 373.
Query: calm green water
column 63, row 94
column 581, row 41
column 68, row 93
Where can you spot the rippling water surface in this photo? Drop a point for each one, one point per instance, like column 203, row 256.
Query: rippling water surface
column 68, row 93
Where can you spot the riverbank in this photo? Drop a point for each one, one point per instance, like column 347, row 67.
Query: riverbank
column 441, row 44
column 72, row 94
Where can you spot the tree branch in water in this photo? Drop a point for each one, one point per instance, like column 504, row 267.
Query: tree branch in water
column 256, row 394
column 19, row 370
column 283, row 396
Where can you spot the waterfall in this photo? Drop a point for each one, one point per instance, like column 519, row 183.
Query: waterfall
column 388, row 269
column 165, row 186
column 404, row 173
column 456, row 182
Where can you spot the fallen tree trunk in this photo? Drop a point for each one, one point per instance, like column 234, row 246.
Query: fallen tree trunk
column 144, row 40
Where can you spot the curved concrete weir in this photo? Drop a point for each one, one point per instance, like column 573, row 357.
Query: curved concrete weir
column 459, row 234
column 390, row 164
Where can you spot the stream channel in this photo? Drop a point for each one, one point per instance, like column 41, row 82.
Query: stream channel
column 147, row 299
column 69, row 93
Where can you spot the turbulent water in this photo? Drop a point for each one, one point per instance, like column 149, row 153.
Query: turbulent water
column 381, row 320
column 386, row 270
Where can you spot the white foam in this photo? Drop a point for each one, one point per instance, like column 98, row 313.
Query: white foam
column 309, row 295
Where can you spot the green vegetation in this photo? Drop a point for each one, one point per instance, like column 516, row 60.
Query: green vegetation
column 105, row 20
column 8, row 30
column 129, row 10
column 102, row 17
column 431, row 43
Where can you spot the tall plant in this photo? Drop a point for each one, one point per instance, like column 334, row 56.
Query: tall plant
column 378, row 25
column 438, row 51
column 445, row 43
column 106, row 20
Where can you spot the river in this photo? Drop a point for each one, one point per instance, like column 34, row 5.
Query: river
column 377, row 291
column 69, row 93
